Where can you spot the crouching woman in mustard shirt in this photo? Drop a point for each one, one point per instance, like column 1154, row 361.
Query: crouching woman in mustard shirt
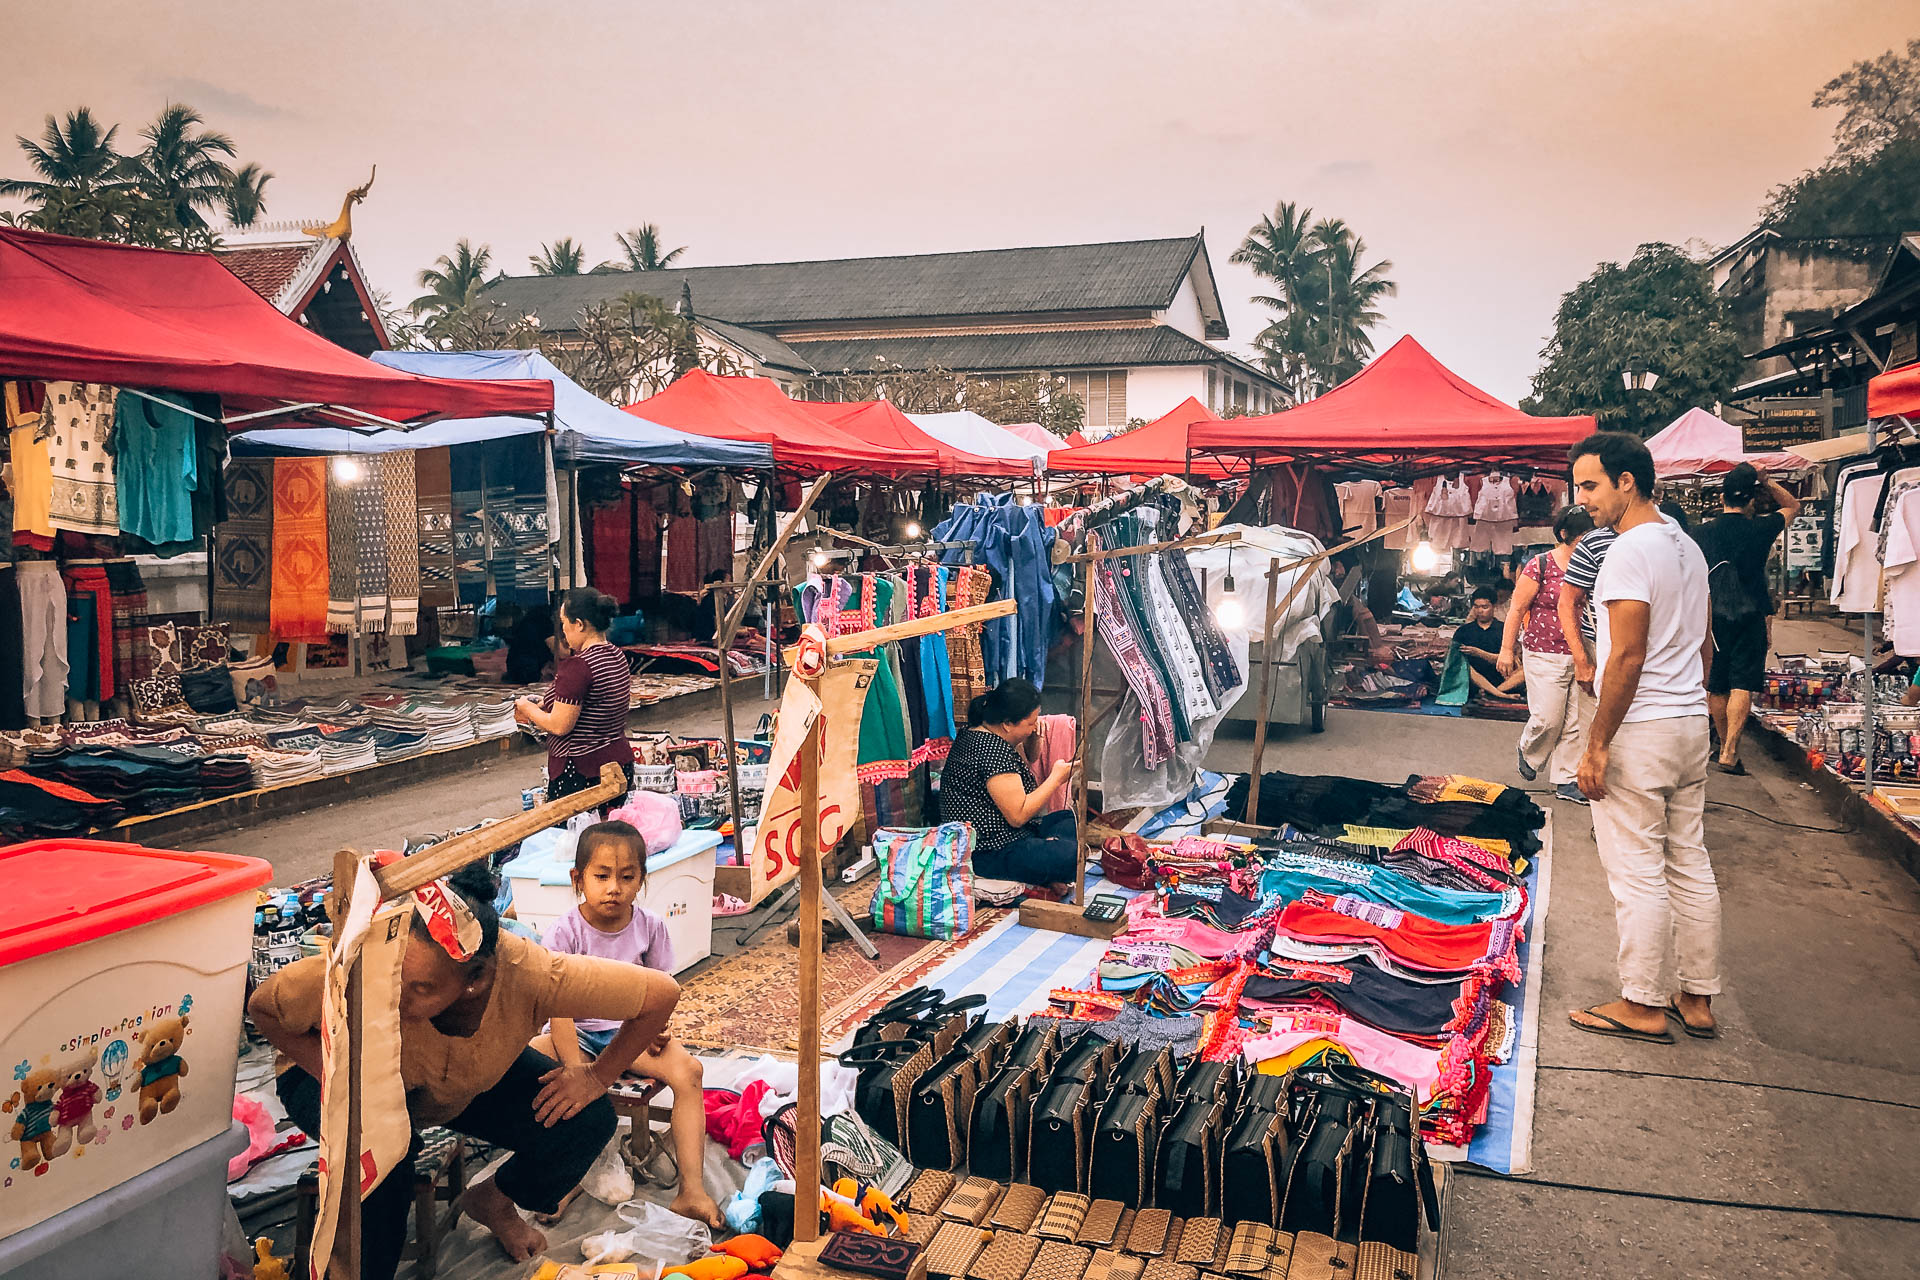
column 469, row 1004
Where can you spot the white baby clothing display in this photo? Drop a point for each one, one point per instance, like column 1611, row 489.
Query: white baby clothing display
column 1448, row 507
column 1495, row 514
column 1357, row 515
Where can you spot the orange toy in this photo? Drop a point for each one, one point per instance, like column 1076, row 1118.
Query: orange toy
column 721, row 1268
column 757, row 1252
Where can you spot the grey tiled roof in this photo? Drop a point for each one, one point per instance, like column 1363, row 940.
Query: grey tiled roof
column 1123, row 275
column 1017, row 352
column 765, row 348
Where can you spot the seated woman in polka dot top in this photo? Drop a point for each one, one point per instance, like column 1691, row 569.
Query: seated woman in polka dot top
column 986, row 783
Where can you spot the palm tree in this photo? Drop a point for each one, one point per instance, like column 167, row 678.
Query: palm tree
column 642, row 247
column 1349, row 308
column 454, row 282
column 181, row 165
column 75, row 157
column 1281, row 248
column 245, row 196
column 561, row 258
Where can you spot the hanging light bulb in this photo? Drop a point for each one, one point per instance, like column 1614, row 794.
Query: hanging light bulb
column 348, row 469
column 913, row 529
column 1229, row 614
column 1425, row 558
column 819, row 557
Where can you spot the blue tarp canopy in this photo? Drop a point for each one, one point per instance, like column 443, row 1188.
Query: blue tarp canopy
column 587, row 429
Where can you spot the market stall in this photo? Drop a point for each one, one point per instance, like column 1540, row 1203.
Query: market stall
column 114, row 707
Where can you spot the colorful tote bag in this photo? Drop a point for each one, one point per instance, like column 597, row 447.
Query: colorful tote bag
column 926, row 880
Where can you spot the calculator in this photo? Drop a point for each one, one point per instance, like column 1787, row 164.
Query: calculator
column 1105, row 908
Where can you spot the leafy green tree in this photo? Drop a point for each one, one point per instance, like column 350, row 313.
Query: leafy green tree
column 80, row 183
column 643, row 252
column 1659, row 308
column 1870, row 184
column 561, row 258
column 1325, row 297
column 246, row 195
column 183, row 166
column 453, row 286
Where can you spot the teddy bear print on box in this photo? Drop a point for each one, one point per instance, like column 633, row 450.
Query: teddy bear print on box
column 79, row 1095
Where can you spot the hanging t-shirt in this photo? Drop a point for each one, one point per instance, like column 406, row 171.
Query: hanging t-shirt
column 1357, row 515
column 1658, row 564
column 158, row 467
column 84, row 496
column 1903, row 572
column 32, row 468
column 1856, row 573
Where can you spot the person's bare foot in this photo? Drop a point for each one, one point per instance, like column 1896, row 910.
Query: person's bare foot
column 1697, row 1013
column 695, row 1203
column 1628, row 1014
column 487, row 1205
column 548, row 1219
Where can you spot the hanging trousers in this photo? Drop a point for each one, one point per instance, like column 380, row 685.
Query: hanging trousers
column 43, row 638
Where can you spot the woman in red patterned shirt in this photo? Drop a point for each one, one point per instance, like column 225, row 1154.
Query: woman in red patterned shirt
column 585, row 714
column 1533, row 622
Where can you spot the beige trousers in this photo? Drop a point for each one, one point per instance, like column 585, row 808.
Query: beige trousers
column 1552, row 735
column 1650, row 830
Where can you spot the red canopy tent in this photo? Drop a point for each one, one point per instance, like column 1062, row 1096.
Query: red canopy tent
column 90, row 311
column 754, row 409
column 879, row 422
column 1406, row 409
column 1159, row 448
column 1895, row 393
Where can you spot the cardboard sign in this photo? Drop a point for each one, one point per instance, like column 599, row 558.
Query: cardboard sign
column 843, row 695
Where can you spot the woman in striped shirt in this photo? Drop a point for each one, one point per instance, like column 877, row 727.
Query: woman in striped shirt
column 585, row 714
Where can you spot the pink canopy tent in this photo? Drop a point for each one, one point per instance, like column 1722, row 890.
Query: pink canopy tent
column 1699, row 444
column 1159, row 448
column 1034, row 433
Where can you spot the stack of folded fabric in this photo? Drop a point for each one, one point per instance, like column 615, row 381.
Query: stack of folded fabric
column 1378, row 925
column 273, row 768
column 492, row 716
column 31, row 807
column 344, row 749
column 395, row 744
column 225, row 773
column 142, row 779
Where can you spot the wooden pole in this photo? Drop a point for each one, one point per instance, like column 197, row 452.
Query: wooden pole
column 739, row 609
column 806, row 1165
column 1266, row 683
column 723, row 641
column 1178, row 544
column 344, row 1264
column 1083, row 721
column 861, row 641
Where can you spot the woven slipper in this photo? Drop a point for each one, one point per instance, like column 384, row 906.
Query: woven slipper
column 1619, row 1029
column 1698, row 1033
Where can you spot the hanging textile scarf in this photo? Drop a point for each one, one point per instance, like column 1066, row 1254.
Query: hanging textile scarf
column 433, row 491
column 243, row 551
column 1122, row 636
column 298, row 609
column 468, row 523
column 395, row 472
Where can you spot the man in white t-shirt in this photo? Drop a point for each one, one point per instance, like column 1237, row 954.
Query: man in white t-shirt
column 1645, row 767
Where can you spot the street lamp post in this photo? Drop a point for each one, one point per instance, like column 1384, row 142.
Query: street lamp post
column 1637, row 377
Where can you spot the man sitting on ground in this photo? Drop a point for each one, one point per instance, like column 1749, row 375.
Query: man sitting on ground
column 1479, row 638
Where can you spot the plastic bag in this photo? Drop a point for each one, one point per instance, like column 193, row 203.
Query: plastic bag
column 653, row 1232
column 608, row 1179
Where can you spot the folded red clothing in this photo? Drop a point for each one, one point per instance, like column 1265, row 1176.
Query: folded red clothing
column 1423, row 943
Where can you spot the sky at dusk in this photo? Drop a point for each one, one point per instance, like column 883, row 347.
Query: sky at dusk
column 1495, row 151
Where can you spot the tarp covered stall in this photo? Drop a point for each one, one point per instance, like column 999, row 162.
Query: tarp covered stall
column 755, row 411
column 1895, row 393
column 1698, row 443
column 964, row 429
column 90, row 311
column 1157, row 449
column 1034, row 433
column 1404, row 409
column 880, row 422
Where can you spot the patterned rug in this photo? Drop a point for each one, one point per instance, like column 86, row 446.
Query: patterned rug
column 751, row 1000
column 299, row 600
column 243, row 548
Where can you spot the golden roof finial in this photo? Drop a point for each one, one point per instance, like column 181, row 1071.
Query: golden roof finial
column 342, row 227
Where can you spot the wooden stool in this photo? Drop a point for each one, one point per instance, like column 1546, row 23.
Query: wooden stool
column 439, row 1173
column 632, row 1096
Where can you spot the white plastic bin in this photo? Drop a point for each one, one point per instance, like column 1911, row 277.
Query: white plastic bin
column 122, row 975
column 163, row 1224
column 679, row 889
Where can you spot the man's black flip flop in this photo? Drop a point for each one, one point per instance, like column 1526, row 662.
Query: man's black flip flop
column 1698, row 1033
column 1618, row 1029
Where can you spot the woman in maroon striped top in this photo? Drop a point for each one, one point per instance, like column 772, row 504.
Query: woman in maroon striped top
column 585, row 716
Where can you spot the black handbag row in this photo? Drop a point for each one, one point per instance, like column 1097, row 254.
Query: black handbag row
column 1330, row 1149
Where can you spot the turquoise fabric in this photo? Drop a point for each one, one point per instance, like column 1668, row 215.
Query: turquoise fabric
column 155, row 470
